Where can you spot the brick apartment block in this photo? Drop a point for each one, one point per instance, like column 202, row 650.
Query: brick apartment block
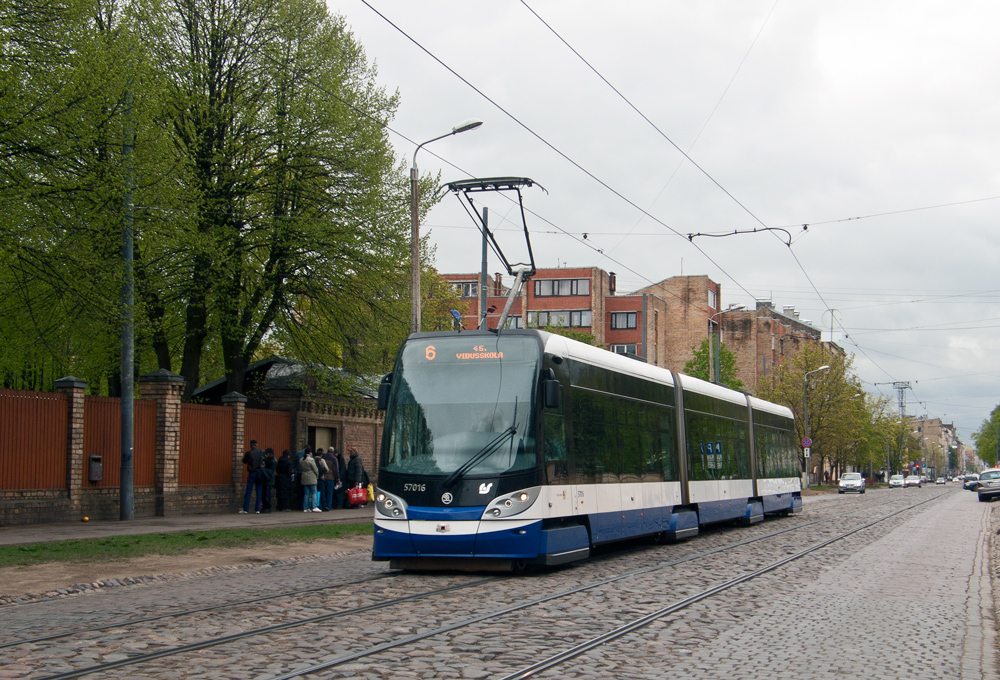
column 661, row 324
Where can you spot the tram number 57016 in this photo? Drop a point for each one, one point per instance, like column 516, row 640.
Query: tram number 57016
column 414, row 487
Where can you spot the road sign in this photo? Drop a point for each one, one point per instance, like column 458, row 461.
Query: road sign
column 807, row 452
column 806, row 442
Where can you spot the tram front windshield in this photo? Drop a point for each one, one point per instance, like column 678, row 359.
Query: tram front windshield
column 462, row 400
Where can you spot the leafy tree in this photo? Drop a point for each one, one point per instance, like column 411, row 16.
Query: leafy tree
column 67, row 73
column 987, row 439
column 270, row 209
column 835, row 420
column 700, row 362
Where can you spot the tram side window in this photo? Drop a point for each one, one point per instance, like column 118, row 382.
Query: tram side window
column 717, row 447
column 628, row 439
column 777, row 453
column 590, row 437
column 555, row 448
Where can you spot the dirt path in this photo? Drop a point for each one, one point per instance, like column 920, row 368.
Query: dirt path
column 39, row 578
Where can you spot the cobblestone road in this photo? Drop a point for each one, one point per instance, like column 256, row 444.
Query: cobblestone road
column 909, row 598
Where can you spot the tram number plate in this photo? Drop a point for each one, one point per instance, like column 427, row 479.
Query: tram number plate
column 414, row 487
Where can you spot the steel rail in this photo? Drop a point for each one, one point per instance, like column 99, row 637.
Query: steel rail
column 643, row 621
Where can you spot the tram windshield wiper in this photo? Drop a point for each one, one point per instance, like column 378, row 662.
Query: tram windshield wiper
column 492, row 447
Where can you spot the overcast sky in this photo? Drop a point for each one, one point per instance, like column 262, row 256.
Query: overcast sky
column 874, row 123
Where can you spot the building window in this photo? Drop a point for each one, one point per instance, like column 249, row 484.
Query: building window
column 565, row 319
column 712, row 300
column 513, row 322
column 467, row 290
column 553, row 287
column 622, row 320
column 624, row 349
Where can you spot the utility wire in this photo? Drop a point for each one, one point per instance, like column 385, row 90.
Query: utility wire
column 701, row 169
column 551, row 146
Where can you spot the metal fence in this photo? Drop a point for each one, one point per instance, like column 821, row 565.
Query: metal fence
column 102, row 422
column 206, row 451
column 33, row 430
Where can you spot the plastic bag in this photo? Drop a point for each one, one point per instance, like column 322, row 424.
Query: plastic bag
column 371, row 492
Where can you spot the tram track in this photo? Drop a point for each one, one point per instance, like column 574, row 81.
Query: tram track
column 264, row 632
column 399, row 642
column 622, row 630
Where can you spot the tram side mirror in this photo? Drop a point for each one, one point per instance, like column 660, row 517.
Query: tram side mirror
column 552, row 395
column 383, row 391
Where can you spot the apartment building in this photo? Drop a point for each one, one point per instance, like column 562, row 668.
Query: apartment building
column 662, row 324
column 762, row 339
column 642, row 324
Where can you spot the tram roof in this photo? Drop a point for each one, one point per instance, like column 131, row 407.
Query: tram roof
column 768, row 407
column 564, row 347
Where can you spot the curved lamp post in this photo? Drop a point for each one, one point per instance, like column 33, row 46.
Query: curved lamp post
column 715, row 357
column 805, row 408
column 470, row 124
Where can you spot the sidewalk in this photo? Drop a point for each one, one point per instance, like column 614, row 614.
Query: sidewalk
column 64, row 531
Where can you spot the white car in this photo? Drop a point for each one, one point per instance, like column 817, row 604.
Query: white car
column 896, row 481
column 851, row 481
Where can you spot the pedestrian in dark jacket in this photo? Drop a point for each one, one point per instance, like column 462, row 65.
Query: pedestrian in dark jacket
column 298, row 474
column 254, row 460
column 355, row 470
column 342, row 469
column 283, row 481
column 330, row 480
column 268, row 471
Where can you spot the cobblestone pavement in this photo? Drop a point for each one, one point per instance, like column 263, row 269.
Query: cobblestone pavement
column 909, row 598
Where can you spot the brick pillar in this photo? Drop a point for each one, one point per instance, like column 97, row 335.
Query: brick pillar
column 238, row 403
column 75, row 464
column 166, row 388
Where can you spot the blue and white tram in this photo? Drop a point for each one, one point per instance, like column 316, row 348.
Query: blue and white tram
column 524, row 447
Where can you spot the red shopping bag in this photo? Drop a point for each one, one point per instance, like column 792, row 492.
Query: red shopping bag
column 358, row 495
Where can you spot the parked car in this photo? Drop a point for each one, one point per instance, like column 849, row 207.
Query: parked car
column 989, row 484
column 896, row 481
column 851, row 481
column 971, row 482
column 913, row 480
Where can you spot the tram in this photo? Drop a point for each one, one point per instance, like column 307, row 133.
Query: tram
column 522, row 447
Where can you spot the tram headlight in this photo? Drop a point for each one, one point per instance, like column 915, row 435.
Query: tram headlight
column 389, row 505
column 511, row 504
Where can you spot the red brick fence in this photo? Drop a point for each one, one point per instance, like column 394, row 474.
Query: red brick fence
column 60, row 453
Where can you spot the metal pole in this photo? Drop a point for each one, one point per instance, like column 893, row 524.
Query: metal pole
column 126, row 500
column 483, row 299
column 805, row 420
column 470, row 124
column 414, row 248
column 711, row 353
column 718, row 356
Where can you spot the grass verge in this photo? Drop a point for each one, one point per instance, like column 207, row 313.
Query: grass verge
column 137, row 545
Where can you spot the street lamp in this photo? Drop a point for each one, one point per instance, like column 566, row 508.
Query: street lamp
column 470, row 124
column 805, row 410
column 715, row 358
